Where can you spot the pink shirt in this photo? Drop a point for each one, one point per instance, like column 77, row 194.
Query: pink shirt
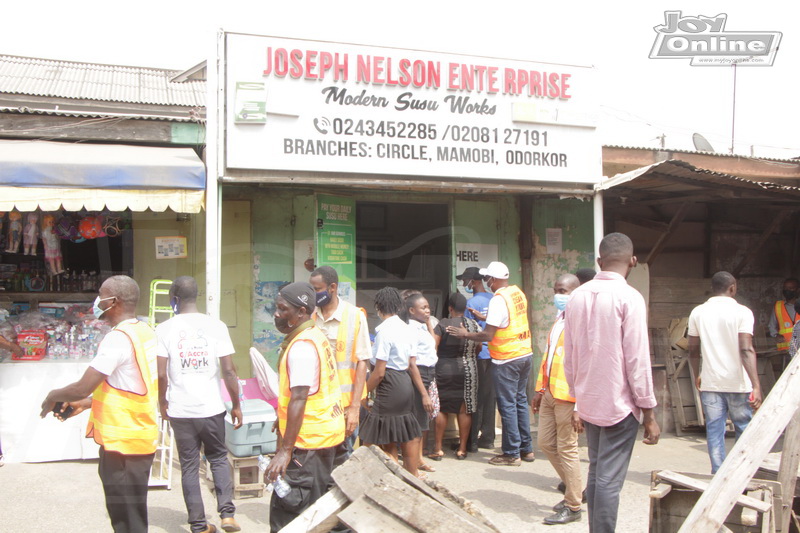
column 607, row 352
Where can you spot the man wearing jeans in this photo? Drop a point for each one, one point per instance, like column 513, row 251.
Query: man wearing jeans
column 194, row 351
column 607, row 366
column 721, row 332
column 509, row 337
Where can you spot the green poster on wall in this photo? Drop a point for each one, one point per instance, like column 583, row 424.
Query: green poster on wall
column 336, row 238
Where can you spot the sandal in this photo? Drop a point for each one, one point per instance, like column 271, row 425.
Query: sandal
column 422, row 476
column 461, row 456
column 426, row 468
column 436, row 456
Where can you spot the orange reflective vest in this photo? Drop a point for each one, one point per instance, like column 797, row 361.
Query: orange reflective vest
column 515, row 339
column 555, row 380
column 323, row 419
column 785, row 324
column 124, row 421
column 345, row 351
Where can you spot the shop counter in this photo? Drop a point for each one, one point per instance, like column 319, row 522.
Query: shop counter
column 25, row 437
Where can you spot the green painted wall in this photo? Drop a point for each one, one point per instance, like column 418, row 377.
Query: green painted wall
column 575, row 218
column 188, row 133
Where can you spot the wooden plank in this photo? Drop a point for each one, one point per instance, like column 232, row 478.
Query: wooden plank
column 674, row 290
column 417, row 510
column 358, row 473
column 368, row 464
column 750, row 516
column 701, row 486
column 362, row 516
column 660, row 490
column 787, row 474
column 672, row 380
column 744, row 459
column 677, row 218
column 320, row 517
column 678, row 332
column 756, row 248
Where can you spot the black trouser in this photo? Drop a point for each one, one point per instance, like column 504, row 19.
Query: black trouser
column 124, row 480
column 189, row 434
column 483, row 420
column 309, row 475
column 610, row 449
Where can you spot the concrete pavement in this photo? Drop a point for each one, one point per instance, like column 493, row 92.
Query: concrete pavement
column 67, row 496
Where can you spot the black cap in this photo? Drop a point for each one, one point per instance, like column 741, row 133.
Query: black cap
column 470, row 273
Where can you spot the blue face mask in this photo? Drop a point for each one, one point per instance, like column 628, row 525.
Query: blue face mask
column 174, row 304
column 560, row 301
column 323, row 298
column 96, row 306
column 468, row 288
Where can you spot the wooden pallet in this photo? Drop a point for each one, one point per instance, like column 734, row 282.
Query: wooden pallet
column 374, row 494
column 671, row 346
column 673, row 495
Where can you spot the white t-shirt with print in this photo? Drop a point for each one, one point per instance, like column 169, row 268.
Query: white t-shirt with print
column 193, row 344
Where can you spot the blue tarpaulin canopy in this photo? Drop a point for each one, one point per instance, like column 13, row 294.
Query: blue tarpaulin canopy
column 53, row 174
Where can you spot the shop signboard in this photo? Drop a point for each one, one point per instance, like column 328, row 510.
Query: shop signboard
column 309, row 106
column 336, row 240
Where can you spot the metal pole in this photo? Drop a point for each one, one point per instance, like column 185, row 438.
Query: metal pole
column 215, row 63
column 733, row 119
column 599, row 231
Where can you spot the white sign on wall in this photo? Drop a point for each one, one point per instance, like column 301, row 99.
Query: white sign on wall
column 335, row 107
column 473, row 255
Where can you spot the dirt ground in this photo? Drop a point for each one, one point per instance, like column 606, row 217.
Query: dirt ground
column 68, row 496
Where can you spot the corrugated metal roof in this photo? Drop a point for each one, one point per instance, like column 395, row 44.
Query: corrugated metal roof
column 92, row 81
column 678, row 178
column 795, row 160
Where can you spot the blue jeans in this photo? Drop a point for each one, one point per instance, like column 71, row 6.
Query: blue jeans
column 717, row 406
column 510, row 382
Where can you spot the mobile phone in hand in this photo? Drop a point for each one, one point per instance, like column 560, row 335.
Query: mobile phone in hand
column 66, row 413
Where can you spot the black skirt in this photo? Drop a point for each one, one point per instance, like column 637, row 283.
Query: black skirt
column 428, row 374
column 391, row 418
column 450, row 382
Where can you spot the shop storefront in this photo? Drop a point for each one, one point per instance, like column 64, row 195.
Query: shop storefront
column 74, row 214
column 396, row 167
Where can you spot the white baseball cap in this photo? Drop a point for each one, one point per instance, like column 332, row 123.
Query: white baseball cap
column 496, row 269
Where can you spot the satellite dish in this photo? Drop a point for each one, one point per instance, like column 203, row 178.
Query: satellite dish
column 701, row 144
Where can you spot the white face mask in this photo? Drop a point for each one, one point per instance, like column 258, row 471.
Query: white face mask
column 487, row 285
column 96, row 306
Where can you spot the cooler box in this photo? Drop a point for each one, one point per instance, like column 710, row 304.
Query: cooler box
column 255, row 437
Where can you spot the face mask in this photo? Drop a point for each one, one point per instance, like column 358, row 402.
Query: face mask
column 789, row 295
column 96, row 306
column 560, row 301
column 281, row 324
column 468, row 288
column 487, row 285
column 174, row 304
column 323, row 298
